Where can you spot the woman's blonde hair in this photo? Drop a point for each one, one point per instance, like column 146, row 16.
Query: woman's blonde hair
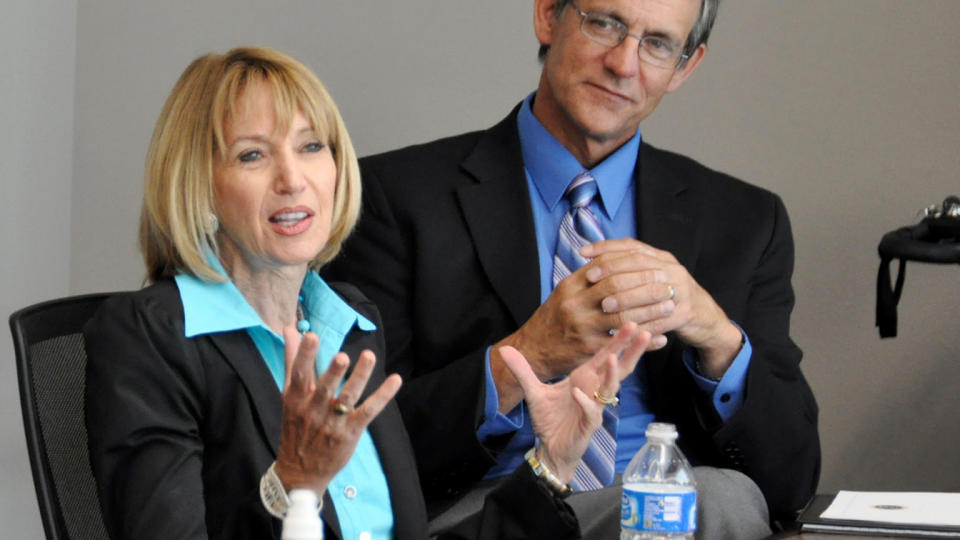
column 177, row 220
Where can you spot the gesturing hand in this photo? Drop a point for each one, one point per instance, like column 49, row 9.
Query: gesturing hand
column 320, row 427
column 565, row 414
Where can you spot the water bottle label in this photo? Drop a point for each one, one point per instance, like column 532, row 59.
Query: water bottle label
column 659, row 512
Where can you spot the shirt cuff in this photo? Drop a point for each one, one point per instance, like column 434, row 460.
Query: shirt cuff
column 495, row 422
column 728, row 392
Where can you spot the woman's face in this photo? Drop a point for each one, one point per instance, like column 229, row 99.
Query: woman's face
column 274, row 191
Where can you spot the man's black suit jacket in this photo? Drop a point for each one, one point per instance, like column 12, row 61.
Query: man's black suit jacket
column 446, row 248
column 181, row 429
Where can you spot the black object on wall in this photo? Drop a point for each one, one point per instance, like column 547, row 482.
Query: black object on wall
column 936, row 239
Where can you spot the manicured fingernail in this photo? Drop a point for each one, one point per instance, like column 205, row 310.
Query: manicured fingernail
column 594, row 274
column 659, row 341
column 587, row 250
column 609, row 304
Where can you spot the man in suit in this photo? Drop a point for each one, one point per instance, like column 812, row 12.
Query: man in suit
column 460, row 242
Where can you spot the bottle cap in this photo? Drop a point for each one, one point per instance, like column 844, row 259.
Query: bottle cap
column 661, row 430
column 302, row 521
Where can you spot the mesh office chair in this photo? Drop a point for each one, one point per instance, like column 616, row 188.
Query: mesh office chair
column 51, row 367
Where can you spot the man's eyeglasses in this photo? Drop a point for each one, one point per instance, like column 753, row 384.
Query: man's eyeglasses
column 605, row 30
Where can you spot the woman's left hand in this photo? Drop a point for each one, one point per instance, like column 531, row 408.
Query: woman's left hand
column 321, row 427
column 565, row 414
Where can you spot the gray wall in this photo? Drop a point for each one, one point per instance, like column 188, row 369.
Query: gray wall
column 37, row 53
column 847, row 109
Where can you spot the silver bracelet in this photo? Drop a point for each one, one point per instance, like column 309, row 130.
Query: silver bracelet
column 272, row 494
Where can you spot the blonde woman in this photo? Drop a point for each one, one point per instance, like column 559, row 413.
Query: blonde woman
column 239, row 374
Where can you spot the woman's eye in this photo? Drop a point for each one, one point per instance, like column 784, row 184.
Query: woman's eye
column 313, row 147
column 250, row 155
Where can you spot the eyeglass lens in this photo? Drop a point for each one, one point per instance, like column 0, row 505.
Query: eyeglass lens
column 610, row 32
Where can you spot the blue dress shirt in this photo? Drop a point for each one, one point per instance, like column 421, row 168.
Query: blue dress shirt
column 359, row 492
column 549, row 169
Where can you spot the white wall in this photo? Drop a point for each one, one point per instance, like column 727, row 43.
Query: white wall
column 37, row 40
column 847, row 109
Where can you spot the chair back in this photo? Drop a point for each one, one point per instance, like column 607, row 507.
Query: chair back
column 51, row 370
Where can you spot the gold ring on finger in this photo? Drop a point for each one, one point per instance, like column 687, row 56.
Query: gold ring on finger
column 340, row 408
column 606, row 400
column 673, row 292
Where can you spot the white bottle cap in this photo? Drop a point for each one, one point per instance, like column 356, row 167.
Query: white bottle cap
column 303, row 520
column 661, row 430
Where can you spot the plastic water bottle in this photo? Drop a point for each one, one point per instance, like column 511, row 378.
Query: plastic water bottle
column 659, row 493
column 302, row 521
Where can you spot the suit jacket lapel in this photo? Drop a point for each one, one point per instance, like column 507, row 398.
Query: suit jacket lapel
column 239, row 351
column 662, row 204
column 663, row 209
column 497, row 212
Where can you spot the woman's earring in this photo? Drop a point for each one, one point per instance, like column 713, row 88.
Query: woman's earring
column 213, row 224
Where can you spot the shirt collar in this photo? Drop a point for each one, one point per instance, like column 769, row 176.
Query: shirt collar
column 551, row 166
column 210, row 308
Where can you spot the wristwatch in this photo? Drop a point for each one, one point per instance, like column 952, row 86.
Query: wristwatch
column 544, row 474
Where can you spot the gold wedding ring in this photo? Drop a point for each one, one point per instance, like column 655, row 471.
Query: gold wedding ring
column 673, row 292
column 339, row 407
column 606, row 400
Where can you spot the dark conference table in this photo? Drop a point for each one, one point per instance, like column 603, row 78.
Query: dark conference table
column 797, row 535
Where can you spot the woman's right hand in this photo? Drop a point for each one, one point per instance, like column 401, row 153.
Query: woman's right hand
column 316, row 439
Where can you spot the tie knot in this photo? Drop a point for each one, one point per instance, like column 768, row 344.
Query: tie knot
column 581, row 191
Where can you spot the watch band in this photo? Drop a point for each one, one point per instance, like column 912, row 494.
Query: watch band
column 542, row 472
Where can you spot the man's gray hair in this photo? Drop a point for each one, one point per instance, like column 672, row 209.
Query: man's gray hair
column 699, row 34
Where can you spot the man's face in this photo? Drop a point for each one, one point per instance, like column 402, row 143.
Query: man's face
column 593, row 97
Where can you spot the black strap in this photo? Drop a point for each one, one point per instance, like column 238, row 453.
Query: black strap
column 936, row 239
column 888, row 296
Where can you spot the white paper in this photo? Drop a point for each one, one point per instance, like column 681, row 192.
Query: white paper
column 918, row 508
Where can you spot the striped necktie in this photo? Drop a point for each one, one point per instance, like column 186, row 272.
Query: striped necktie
column 578, row 228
